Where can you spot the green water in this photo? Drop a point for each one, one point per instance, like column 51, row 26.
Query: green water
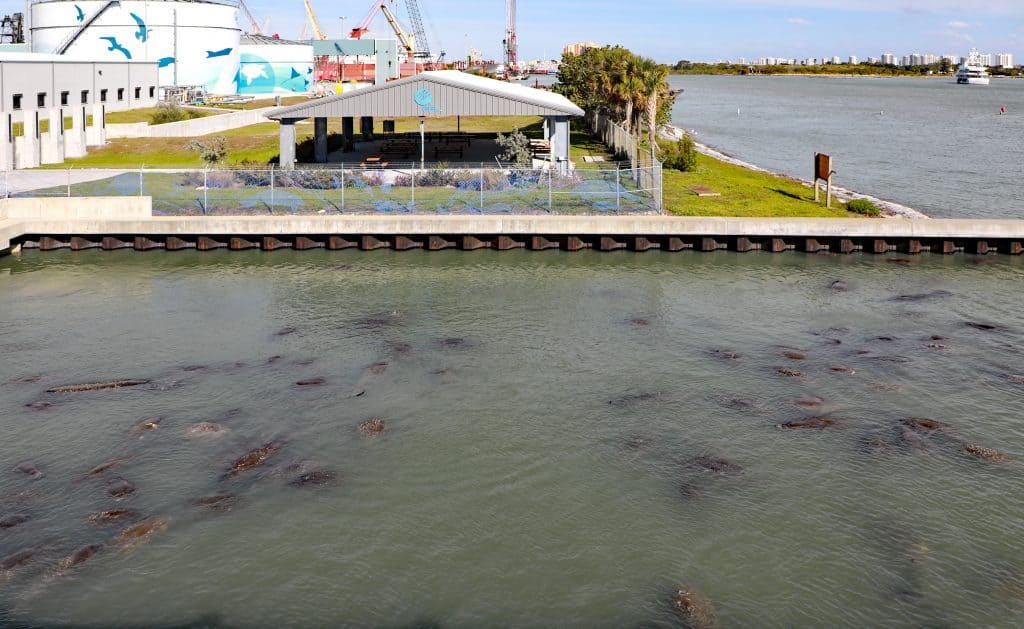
column 546, row 416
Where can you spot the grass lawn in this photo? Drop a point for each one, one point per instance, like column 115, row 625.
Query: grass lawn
column 144, row 114
column 744, row 193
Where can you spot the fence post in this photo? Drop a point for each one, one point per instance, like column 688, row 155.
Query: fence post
column 343, row 187
column 206, row 188
column 551, row 167
column 618, row 192
column 481, row 186
column 140, row 180
column 69, row 182
column 412, row 187
column 271, row 188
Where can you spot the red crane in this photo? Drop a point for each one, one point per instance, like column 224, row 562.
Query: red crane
column 511, row 43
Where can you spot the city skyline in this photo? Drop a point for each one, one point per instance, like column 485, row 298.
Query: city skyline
column 697, row 30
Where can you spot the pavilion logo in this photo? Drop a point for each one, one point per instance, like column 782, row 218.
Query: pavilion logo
column 425, row 98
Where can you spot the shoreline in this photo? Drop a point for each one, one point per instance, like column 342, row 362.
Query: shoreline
column 889, row 209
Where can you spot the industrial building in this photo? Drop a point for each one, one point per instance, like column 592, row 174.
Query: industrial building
column 268, row 66
column 52, row 107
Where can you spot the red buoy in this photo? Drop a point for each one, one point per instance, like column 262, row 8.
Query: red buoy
column 1002, row 110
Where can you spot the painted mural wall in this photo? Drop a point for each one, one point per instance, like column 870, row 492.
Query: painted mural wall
column 195, row 43
column 275, row 69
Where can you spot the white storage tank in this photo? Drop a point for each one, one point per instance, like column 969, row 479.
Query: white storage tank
column 269, row 66
column 195, row 43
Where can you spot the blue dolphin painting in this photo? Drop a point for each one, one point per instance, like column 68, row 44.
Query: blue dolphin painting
column 163, row 62
column 224, row 52
column 81, row 13
column 116, row 46
column 143, row 33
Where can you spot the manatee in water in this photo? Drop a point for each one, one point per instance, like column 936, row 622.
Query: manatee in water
column 217, row 502
column 716, row 465
column 373, row 371
column 725, row 354
column 694, row 608
column 18, row 559
column 627, row 400
column 315, row 478
column 814, row 423
column 984, row 327
column 286, row 331
column 640, row 321
column 205, row 429
column 140, row 533
column 116, row 515
column 373, row 427
column 912, row 297
column 98, row 386
column 311, row 382
column 148, row 425
column 789, row 373
column 11, row 521
column 794, row 355
column 875, row 444
column 29, row 469
column 1016, row 379
column 809, row 401
column 839, row 285
column 986, row 454
column 120, row 488
column 921, row 423
column 843, row 369
column 39, row 405
column 886, row 339
column 80, row 556
column 254, row 458
column 107, row 466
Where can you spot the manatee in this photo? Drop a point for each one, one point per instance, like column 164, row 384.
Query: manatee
column 286, row 331
column 839, row 285
column 794, row 355
column 80, row 556
column 984, row 327
column 935, row 294
column 627, row 400
column 104, row 517
column 29, row 469
column 98, row 386
column 107, row 466
column 1016, row 379
column 843, row 369
column 640, row 321
column 373, row 427
column 986, row 454
column 120, row 488
column 138, row 534
column 315, row 478
column 913, row 440
column 887, row 339
column 18, row 559
column 725, row 354
column 791, row 373
column 809, row 401
column 205, row 429
column 150, row 424
column 921, row 423
column 715, row 465
column 254, row 458
column 218, row 502
column 694, row 608
column 11, row 521
column 814, row 422
column 311, row 382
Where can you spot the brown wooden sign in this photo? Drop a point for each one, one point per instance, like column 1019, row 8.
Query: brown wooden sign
column 822, row 166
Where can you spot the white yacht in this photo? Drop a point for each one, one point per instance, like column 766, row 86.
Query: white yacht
column 972, row 71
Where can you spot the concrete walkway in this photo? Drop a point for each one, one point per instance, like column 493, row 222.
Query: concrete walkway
column 17, row 182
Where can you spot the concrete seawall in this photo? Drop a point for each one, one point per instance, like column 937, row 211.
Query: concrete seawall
column 126, row 222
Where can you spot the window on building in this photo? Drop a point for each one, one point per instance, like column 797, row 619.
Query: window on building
column 103, row 96
column 120, row 93
column 41, row 99
column 152, row 91
column 16, row 101
column 64, row 96
column 138, row 93
column 85, row 97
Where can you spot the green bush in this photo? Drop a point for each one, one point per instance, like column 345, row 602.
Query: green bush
column 681, row 155
column 515, row 148
column 863, row 206
column 171, row 112
column 210, row 151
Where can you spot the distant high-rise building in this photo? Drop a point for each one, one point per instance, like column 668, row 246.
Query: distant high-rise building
column 836, row 60
column 742, row 61
column 986, row 59
column 578, row 48
column 874, row 60
column 1004, row 60
column 889, row 59
column 951, row 59
column 853, row 60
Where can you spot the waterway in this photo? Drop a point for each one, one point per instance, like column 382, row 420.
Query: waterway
column 570, row 439
column 926, row 143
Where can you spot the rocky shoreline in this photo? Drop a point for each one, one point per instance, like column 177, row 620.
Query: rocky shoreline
column 889, row 208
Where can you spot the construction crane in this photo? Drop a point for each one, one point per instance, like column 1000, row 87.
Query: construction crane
column 313, row 22
column 511, row 42
column 420, row 33
column 408, row 41
column 256, row 28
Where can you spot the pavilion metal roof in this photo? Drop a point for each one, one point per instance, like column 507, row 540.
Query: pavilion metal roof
column 436, row 94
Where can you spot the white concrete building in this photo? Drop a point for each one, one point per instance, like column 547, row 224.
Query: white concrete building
column 853, row 60
column 1004, row 60
column 52, row 107
column 889, row 59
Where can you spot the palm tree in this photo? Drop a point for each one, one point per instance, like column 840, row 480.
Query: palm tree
column 653, row 79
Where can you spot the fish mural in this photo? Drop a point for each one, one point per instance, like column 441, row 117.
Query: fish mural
column 223, row 52
column 114, row 45
column 143, row 33
column 163, row 62
column 81, row 14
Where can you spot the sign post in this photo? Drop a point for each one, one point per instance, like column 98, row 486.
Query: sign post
column 823, row 172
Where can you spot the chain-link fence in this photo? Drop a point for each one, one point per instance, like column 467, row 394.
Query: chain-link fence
column 487, row 189
column 645, row 169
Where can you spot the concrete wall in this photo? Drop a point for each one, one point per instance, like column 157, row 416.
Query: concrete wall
column 189, row 128
column 76, row 208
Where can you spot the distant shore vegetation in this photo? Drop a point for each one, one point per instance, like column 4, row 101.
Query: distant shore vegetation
column 943, row 68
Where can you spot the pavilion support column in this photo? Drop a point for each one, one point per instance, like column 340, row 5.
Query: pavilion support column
column 287, row 143
column 96, row 135
column 52, row 144
column 320, row 140
column 348, row 133
column 74, row 138
column 547, row 128
column 559, row 143
column 6, row 144
column 366, row 128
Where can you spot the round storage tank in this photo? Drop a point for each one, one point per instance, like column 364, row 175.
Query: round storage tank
column 269, row 66
column 195, row 43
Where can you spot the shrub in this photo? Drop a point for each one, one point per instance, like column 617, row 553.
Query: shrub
column 863, row 206
column 681, row 155
column 210, row 151
column 515, row 147
column 171, row 112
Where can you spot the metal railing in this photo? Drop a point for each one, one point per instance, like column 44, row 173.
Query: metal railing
column 443, row 190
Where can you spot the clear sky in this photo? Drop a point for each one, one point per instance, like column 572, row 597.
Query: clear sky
column 699, row 30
